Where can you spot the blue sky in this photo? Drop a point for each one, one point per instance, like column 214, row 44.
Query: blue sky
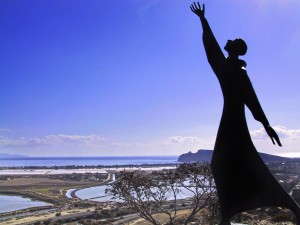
column 130, row 77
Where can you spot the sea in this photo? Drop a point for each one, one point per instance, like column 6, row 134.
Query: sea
column 86, row 161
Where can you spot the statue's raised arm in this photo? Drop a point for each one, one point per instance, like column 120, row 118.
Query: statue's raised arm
column 213, row 51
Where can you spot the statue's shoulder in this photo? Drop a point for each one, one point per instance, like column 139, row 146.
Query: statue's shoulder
column 243, row 70
column 243, row 75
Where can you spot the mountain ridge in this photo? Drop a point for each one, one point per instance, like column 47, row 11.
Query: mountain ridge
column 205, row 155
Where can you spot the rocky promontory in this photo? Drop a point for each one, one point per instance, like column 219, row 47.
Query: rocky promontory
column 203, row 155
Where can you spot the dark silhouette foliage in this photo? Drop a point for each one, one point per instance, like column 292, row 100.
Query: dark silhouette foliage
column 161, row 191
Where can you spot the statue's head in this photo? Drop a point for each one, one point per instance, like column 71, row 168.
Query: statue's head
column 236, row 47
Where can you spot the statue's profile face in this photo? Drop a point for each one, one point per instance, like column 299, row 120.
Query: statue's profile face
column 236, row 47
column 228, row 47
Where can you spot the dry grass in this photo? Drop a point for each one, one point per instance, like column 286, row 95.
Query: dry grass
column 42, row 188
column 163, row 218
column 32, row 219
column 39, row 183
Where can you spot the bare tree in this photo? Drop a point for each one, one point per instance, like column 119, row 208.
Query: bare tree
column 198, row 179
column 156, row 192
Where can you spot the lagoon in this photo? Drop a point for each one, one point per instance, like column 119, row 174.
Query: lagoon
column 10, row 203
column 98, row 194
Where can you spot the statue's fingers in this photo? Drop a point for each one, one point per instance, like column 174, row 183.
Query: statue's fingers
column 272, row 140
column 199, row 6
column 278, row 141
column 275, row 135
column 195, row 5
column 203, row 8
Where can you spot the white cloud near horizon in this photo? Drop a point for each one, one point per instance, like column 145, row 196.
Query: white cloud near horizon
column 52, row 140
column 183, row 139
column 290, row 139
column 64, row 144
column 187, row 140
column 283, row 133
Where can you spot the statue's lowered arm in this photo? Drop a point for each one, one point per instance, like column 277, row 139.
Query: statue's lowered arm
column 253, row 104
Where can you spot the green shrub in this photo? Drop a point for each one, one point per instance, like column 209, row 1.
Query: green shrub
column 283, row 218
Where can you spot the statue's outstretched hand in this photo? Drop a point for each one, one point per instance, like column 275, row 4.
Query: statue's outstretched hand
column 196, row 8
column 273, row 135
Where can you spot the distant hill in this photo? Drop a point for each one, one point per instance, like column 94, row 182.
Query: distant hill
column 205, row 156
column 10, row 156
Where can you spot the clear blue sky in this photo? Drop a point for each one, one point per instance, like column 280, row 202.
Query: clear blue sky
column 130, row 77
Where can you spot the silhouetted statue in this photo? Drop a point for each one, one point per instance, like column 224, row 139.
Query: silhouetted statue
column 242, row 179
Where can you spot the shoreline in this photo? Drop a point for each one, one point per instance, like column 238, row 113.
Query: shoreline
column 32, row 196
column 51, row 205
column 99, row 166
column 63, row 170
column 72, row 193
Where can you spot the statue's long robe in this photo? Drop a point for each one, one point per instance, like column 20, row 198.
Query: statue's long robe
column 243, row 180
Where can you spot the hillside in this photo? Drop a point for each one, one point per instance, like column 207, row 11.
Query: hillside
column 205, row 156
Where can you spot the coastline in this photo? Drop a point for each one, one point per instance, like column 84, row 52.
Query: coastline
column 83, row 162
column 50, row 184
column 12, row 182
column 90, row 169
column 31, row 172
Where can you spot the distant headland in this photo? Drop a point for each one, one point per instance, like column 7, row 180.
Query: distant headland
column 204, row 155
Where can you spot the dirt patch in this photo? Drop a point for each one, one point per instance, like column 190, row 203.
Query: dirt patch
column 39, row 182
column 163, row 218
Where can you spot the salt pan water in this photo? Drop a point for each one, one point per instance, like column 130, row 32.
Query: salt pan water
column 11, row 203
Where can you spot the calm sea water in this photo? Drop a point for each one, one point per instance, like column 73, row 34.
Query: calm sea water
column 87, row 161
